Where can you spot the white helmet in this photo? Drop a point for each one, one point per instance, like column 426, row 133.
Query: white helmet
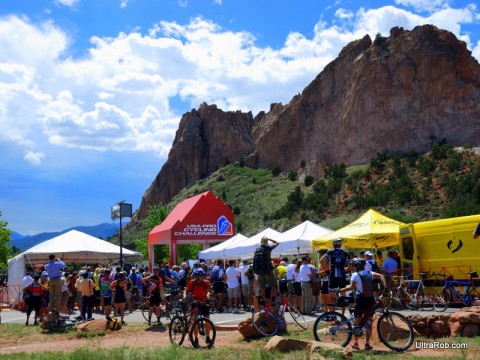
column 337, row 241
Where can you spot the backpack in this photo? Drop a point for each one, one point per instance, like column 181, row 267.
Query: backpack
column 374, row 264
column 249, row 272
column 114, row 323
column 260, row 261
column 367, row 281
column 216, row 273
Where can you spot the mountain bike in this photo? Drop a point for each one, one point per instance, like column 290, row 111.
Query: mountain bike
column 413, row 294
column 450, row 293
column 394, row 330
column 268, row 319
column 193, row 323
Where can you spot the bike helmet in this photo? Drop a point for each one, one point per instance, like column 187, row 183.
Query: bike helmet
column 337, row 241
column 359, row 263
column 198, row 272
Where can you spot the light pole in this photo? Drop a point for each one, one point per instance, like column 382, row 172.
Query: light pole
column 119, row 210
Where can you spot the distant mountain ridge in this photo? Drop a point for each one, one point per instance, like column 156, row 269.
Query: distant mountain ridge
column 102, row 231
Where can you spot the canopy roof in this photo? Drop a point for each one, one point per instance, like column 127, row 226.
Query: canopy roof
column 372, row 229
column 76, row 246
column 245, row 249
column 202, row 218
column 298, row 240
column 218, row 251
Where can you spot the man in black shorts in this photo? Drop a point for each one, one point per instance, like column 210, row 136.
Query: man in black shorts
column 362, row 285
column 337, row 277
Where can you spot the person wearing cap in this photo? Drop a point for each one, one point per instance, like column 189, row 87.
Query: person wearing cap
column 290, row 279
column 306, row 278
column 269, row 277
column 54, row 269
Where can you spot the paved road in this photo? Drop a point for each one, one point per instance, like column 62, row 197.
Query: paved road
column 13, row 316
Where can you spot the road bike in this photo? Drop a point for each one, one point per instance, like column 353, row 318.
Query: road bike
column 269, row 318
column 451, row 293
column 413, row 294
column 195, row 324
column 394, row 330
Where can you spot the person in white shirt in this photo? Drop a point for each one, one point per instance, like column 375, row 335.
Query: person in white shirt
column 232, row 277
column 290, row 279
column 245, row 284
column 306, row 277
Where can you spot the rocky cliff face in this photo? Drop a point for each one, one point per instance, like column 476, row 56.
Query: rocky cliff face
column 206, row 140
column 399, row 93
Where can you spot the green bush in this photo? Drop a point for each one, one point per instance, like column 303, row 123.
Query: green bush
column 276, row 171
column 309, row 180
column 292, row 175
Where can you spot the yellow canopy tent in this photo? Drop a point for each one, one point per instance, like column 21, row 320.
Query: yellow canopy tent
column 370, row 230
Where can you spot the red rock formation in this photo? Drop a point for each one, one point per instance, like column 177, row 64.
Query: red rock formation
column 398, row 93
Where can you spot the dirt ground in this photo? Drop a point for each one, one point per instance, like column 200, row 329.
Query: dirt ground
column 139, row 336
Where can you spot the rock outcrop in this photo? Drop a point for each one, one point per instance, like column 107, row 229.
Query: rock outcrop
column 466, row 322
column 398, row 93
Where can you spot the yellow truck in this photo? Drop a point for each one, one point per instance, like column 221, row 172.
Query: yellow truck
column 443, row 246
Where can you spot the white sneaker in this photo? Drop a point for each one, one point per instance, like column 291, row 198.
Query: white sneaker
column 230, row 310
column 236, row 311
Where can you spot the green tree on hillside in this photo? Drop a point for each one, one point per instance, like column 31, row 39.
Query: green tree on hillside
column 156, row 215
column 5, row 249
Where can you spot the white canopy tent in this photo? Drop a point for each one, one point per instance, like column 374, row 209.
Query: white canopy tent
column 72, row 246
column 218, row 251
column 246, row 249
column 298, row 240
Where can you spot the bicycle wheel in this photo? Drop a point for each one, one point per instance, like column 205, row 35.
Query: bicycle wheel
column 203, row 333
column 297, row 317
column 395, row 331
column 426, row 298
column 265, row 322
column 441, row 300
column 177, row 330
column 409, row 300
column 212, row 302
column 333, row 327
column 145, row 309
column 395, row 301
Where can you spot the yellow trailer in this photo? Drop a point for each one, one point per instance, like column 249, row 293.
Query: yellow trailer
column 442, row 246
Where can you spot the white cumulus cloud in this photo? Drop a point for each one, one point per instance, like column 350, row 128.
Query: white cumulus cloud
column 34, row 158
column 128, row 92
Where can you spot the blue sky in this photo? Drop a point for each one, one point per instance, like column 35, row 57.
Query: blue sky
column 92, row 91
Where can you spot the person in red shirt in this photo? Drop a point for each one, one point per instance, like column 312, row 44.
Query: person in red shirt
column 200, row 290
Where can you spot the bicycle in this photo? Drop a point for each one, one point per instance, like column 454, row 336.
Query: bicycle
column 192, row 322
column 394, row 330
column 268, row 321
column 449, row 292
column 413, row 294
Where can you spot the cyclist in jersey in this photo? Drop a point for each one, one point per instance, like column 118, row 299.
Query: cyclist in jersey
column 199, row 287
column 154, row 285
column 362, row 284
column 337, row 265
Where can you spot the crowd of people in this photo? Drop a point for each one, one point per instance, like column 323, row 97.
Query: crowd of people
column 108, row 291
